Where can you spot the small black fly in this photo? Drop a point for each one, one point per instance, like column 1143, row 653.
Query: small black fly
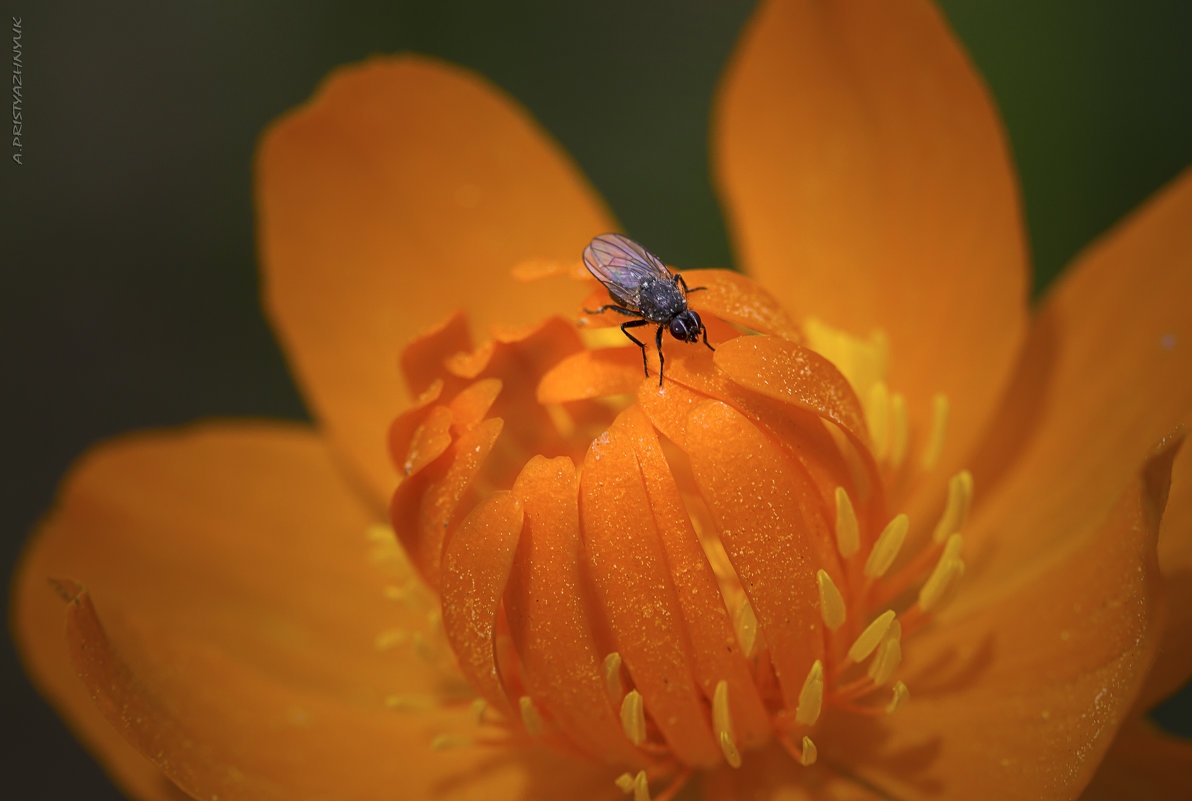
column 642, row 286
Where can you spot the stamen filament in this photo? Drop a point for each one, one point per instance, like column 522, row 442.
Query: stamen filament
column 871, row 636
column 956, row 509
column 612, row 677
column 529, row 715
column 901, row 695
column 900, row 429
column 877, row 413
column 940, row 407
column 886, row 549
column 811, row 697
column 633, row 717
column 745, row 623
column 832, row 607
column 941, row 581
column 889, row 655
column 722, row 724
column 848, row 538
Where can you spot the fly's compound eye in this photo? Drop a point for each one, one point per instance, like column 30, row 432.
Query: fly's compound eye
column 686, row 326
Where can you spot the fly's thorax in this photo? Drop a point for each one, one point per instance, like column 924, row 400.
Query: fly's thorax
column 659, row 300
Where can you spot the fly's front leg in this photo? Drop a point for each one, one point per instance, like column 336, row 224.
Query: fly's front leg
column 661, row 360
column 704, row 329
column 614, row 307
column 638, row 342
column 679, row 280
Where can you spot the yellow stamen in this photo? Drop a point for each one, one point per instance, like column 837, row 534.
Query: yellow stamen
column 722, row 724
column 939, row 427
column 809, row 754
column 871, row 637
column 885, row 550
column 393, row 592
column 529, row 715
column 900, row 429
column 479, row 707
column 811, row 697
column 848, row 538
column 446, row 742
column 889, row 655
column 877, row 414
column 641, row 787
column 612, row 677
column 832, row 607
column 956, row 509
column 938, row 585
column 390, row 638
column 901, row 694
column 624, row 783
column 410, row 702
column 563, row 422
column 745, row 622
column 633, row 717
column 380, row 534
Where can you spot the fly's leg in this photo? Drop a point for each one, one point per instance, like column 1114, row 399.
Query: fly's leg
column 614, row 307
column 686, row 290
column 638, row 342
column 661, row 359
column 704, row 329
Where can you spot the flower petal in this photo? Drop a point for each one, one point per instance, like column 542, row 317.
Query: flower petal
column 631, row 577
column 1109, row 374
column 1173, row 665
column 770, row 520
column 771, row 775
column 404, row 190
column 551, row 621
column 868, row 183
column 239, row 611
column 1143, row 763
column 1022, row 698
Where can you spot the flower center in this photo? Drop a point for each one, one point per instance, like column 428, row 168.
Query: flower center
column 663, row 578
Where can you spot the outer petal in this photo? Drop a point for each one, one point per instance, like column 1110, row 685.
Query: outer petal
column 1108, row 374
column 404, row 190
column 240, row 609
column 1173, row 666
column 771, row 775
column 1143, row 763
column 1022, row 699
column 867, row 182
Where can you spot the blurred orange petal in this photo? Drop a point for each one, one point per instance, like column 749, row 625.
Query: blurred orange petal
column 770, row 775
column 1143, row 763
column 1022, row 698
column 867, row 182
column 241, row 608
column 1173, row 666
column 1108, row 374
column 406, row 189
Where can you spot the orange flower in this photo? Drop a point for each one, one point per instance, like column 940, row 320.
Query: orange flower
column 722, row 584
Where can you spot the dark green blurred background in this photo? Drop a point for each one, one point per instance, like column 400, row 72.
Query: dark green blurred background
column 130, row 292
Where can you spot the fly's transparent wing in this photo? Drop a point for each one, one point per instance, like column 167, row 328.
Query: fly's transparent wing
column 621, row 264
